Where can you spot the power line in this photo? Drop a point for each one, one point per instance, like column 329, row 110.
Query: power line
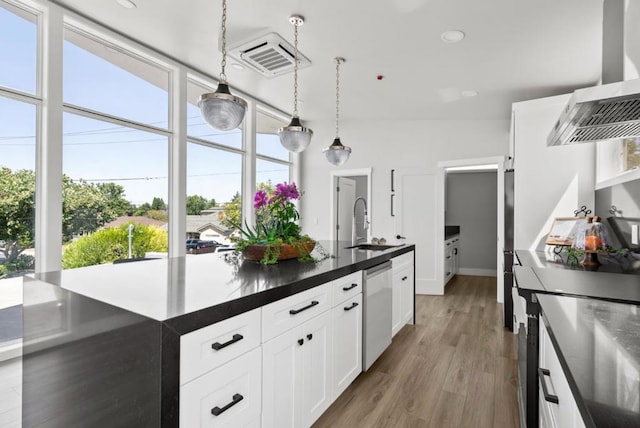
column 92, row 180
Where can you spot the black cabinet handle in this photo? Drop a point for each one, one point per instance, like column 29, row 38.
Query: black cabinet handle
column 236, row 338
column 309, row 336
column 216, row 411
column 392, row 180
column 300, row 342
column 400, row 237
column 448, row 257
column 353, row 305
column 352, row 286
column 309, row 306
column 448, row 273
column 549, row 397
column 448, row 243
column 404, row 278
column 455, row 251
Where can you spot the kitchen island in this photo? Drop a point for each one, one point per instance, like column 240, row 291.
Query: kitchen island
column 102, row 345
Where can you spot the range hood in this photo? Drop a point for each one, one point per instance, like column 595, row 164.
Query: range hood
column 601, row 113
column 610, row 111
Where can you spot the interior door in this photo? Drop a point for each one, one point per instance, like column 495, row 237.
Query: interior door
column 418, row 210
column 344, row 213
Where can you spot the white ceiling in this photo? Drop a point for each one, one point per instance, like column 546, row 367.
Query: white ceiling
column 514, row 50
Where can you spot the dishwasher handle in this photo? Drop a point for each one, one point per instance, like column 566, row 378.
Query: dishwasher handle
column 378, row 269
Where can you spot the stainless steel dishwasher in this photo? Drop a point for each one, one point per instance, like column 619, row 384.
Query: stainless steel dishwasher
column 377, row 312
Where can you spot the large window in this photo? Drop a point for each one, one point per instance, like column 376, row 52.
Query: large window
column 617, row 162
column 273, row 163
column 19, row 101
column 115, row 181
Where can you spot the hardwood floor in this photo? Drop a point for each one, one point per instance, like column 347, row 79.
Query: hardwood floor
column 455, row 368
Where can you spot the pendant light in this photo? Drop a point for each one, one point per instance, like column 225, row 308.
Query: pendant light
column 221, row 109
column 295, row 137
column 336, row 153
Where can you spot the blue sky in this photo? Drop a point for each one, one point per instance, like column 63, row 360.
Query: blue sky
column 101, row 151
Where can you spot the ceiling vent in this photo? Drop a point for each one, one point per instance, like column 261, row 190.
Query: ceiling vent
column 269, row 55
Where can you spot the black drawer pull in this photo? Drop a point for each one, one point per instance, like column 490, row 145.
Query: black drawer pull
column 455, row 251
column 549, row 397
column 352, row 286
column 448, row 257
column 236, row 338
column 309, row 306
column 353, row 305
column 309, row 336
column 404, row 278
column 300, row 342
column 216, row 411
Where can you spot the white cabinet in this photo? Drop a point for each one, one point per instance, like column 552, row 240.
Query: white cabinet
column 347, row 343
column 451, row 258
column 296, row 374
column 229, row 396
column 402, row 301
column 557, row 407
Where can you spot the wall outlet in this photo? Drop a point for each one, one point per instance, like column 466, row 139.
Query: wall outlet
column 634, row 234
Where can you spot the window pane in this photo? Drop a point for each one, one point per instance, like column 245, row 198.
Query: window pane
column 18, row 49
column 17, row 198
column 196, row 125
column 271, row 173
column 102, row 78
column 267, row 141
column 113, row 176
column 214, row 186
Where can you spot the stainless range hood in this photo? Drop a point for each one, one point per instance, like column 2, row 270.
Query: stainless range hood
column 601, row 113
column 610, row 111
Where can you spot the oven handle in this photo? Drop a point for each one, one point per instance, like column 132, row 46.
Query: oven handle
column 549, row 397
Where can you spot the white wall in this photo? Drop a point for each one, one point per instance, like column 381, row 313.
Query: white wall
column 549, row 181
column 384, row 145
column 471, row 204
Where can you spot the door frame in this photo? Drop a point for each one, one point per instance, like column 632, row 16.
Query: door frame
column 500, row 162
column 333, row 215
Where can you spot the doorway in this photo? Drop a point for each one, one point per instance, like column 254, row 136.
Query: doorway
column 479, row 164
column 346, row 187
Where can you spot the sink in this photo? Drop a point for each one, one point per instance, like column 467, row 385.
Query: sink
column 372, row 247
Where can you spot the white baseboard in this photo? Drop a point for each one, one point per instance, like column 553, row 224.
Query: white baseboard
column 477, row 272
column 10, row 350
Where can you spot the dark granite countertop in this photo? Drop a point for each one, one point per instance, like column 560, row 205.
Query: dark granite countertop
column 451, row 231
column 615, row 287
column 627, row 264
column 191, row 292
column 598, row 345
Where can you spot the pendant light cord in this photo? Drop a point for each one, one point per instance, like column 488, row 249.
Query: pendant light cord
column 295, row 70
column 223, row 75
column 337, row 97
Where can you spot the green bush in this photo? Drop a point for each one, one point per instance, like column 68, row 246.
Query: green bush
column 109, row 245
column 18, row 266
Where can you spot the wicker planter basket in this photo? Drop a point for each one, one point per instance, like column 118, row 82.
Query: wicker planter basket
column 287, row 251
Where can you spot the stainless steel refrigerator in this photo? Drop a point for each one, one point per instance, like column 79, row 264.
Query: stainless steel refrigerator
column 508, row 250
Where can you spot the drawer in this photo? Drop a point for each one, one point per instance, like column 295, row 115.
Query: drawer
column 210, row 347
column 403, row 260
column 346, row 287
column 229, row 396
column 285, row 314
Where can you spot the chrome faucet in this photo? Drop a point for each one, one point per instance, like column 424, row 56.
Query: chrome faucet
column 355, row 239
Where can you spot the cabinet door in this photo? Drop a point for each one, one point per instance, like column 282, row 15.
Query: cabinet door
column 396, row 303
column 281, row 391
column 406, row 295
column 316, row 368
column 228, row 396
column 448, row 264
column 347, row 343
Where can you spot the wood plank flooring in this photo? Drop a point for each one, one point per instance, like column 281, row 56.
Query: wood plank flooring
column 455, row 368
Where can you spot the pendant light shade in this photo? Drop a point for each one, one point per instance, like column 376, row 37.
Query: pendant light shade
column 337, row 153
column 295, row 137
column 221, row 109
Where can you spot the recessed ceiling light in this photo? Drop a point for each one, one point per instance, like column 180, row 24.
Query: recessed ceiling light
column 127, row 4
column 469, row 93
column 452, row 36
